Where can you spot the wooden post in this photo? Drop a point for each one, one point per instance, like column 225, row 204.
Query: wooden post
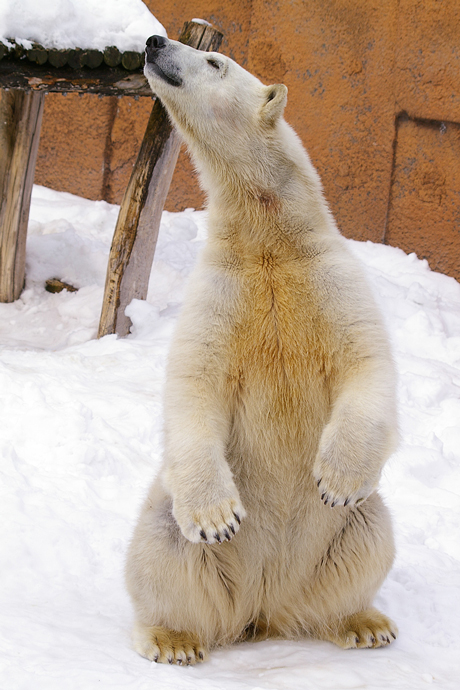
column 20, row 121
column 136, row 231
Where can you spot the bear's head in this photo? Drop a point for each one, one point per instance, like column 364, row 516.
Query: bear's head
column 209, row 96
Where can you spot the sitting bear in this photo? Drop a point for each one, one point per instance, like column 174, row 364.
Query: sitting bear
column 279, row 404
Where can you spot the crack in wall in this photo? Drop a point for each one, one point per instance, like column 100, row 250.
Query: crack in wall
column 400, row 118
column 106, row 188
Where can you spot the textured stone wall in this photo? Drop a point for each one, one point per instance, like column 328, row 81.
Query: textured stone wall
column 373, row 93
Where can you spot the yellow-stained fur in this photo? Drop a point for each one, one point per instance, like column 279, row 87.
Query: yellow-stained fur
column 279, row 402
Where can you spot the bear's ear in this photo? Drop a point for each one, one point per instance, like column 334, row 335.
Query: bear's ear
column 274, row 103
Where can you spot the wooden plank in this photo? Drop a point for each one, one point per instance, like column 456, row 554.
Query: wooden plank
column 138, row 223
column 20, row 122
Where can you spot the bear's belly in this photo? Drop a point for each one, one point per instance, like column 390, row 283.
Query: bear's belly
column 277, row 423
column 279, row 387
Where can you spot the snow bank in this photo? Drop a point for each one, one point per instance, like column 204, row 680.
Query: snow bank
column 94, row 24
column 80, row 439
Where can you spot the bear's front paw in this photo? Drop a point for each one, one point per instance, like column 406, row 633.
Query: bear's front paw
column 344, row 495
column 217, row 522
column 350, row 459
column 341, row 488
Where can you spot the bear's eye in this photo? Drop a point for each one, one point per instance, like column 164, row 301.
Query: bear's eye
column 214, row 63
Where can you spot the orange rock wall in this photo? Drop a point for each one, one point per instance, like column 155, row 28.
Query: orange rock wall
column 373, row 93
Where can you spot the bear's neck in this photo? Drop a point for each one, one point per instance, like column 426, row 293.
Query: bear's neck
column 264, row 190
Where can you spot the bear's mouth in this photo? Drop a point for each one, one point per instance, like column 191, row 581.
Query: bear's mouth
column 172, row 79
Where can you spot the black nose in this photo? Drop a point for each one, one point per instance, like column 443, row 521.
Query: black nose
column 156, row 42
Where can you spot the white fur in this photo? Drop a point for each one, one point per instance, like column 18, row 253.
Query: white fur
column 279, row 400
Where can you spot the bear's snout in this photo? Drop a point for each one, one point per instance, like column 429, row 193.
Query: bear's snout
column 155, row 43
column 159, row 62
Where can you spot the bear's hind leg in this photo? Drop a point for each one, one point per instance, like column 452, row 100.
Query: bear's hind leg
column 187, row 597
column 348, row 576
column 167, row 646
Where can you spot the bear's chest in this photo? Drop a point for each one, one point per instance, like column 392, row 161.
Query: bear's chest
column 279, row 351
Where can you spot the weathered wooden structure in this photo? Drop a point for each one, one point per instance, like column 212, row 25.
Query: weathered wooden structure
column 136, row 232
column 20, row 120
column 25, row 77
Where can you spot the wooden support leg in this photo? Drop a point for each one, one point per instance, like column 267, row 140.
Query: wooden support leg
column 136, row 231
column 20, row 121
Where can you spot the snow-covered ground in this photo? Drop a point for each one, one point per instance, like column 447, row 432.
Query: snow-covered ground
column 92, row 24
column 80, row 439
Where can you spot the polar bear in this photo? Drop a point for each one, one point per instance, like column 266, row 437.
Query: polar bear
column 279, row 405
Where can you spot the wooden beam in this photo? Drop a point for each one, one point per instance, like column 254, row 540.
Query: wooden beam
column 102, row 80
column 138, row 223
column 108, row 73
column 20, row 122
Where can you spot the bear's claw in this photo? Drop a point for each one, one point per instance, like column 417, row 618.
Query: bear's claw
column 327, row 497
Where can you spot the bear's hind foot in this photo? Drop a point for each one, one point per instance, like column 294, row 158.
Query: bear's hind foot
column 167, row 646
column 368, row 628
